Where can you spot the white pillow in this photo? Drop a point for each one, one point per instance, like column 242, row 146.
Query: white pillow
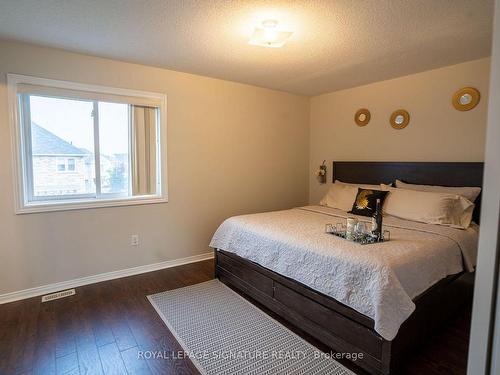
column 470, row 193
column 428, row 207
column 340, row 196
column 362, row 186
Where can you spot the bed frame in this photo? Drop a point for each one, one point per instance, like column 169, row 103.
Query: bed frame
column 339, row 327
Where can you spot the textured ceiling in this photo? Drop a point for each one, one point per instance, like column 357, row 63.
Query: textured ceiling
column 336, row 43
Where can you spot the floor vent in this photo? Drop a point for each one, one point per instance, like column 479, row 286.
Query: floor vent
column 57, row 295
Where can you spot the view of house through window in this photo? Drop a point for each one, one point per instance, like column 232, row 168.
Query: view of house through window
column 114, row 146
column 81, row 148
column 62, row 147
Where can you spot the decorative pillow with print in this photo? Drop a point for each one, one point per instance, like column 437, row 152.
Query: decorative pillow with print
column 366, row 202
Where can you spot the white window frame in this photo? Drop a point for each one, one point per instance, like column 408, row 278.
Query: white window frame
column 58, row 163
column 23, row 202
column 68, row 164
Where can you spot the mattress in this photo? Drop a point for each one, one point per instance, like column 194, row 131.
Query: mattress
column 378, row 280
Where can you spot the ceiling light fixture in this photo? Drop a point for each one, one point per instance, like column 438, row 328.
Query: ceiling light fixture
column 269, row 35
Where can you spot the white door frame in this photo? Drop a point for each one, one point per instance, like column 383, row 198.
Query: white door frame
column 484, row 345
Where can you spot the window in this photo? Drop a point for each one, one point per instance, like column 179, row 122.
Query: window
column 71, row 165
column 61, row 165
column 83, row 146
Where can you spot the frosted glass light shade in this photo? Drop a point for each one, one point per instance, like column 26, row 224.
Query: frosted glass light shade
column 269, row 35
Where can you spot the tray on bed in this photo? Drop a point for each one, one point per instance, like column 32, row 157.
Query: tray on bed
column 364, row 239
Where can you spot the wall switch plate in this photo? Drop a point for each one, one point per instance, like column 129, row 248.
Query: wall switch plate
column 134, row 240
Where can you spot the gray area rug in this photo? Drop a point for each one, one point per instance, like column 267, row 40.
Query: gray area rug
column 222, row 333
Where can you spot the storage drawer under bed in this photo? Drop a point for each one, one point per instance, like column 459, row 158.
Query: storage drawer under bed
column 254, row 278
column 330, row 322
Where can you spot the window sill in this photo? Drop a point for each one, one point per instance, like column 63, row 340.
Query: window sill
column 83, row 204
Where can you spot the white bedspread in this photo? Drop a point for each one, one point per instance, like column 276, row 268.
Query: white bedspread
column 377, row 280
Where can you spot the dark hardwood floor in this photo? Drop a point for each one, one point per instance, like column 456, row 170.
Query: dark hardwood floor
column 103, row 328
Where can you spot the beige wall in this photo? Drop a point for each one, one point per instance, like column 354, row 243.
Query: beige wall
column 232, row 149
column 437, row 132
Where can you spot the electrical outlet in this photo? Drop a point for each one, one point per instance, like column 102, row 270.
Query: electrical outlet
column 134, row 240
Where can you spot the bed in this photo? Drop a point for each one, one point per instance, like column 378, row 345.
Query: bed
column 379, row 300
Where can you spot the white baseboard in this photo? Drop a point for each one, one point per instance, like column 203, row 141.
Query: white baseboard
column 51, row 288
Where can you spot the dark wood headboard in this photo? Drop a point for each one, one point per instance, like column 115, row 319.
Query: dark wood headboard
column 423, row 173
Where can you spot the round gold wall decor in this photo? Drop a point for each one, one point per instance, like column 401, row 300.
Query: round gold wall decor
column 400, row 119
column 362, row 117
column 466, row 99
